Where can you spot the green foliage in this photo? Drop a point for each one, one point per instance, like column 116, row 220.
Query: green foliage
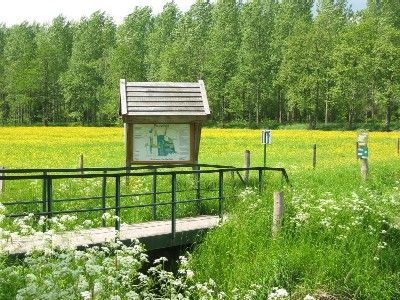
column 160, row 37
column 221, row 64
column 260, row 60
column 184, row 58
column 93, row 38
column 53, row 52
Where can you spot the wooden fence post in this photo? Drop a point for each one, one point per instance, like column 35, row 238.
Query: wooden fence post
column 364, row 168
column 246, row 164
column 81, row 163
column 398, row 146
column 2, row 182
column 357, row 150
column 277, row 214
column 314, row 164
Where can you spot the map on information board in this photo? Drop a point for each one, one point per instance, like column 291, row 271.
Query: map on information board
column 161, row 142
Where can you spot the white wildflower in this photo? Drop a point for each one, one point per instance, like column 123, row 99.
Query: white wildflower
column 87, row 223
column 86, row 295
column 278, row 293
column 82, row 283
column 160, row 260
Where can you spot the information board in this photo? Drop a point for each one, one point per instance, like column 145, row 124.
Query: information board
column 161, row 142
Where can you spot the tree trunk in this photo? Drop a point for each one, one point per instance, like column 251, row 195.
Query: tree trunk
column 388, row 118
column 280, row 105
column 258, row 107
column 223, row 111
column 350, row 120
column 326, row 111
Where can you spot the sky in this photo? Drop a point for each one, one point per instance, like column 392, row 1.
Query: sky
column 43, row 11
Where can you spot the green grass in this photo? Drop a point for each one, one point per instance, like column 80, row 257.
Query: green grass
column 355, row 256
column 340, row 236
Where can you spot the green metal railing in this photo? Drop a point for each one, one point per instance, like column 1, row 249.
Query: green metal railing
column 154, row 173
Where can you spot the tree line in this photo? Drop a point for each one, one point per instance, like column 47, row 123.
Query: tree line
column 261, row 60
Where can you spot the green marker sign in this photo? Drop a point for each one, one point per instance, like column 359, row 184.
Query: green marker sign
column 362, row 152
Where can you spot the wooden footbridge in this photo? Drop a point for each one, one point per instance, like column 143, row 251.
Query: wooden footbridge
column 179, row 203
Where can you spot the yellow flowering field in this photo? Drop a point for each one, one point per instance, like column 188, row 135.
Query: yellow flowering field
column 59, row 147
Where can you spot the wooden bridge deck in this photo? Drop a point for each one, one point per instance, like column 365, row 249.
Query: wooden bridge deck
column 154, row 234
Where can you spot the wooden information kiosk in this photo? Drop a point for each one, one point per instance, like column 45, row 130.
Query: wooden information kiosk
column 162, row 121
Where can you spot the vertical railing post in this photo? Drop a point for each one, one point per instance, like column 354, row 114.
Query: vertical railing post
column 220, row 193
column 103, row 197
column 49, row 190
column 260, row 179
column 154, row 194
column 173, row 206
column 117, row 202
column 44, row 199
column 198, row 187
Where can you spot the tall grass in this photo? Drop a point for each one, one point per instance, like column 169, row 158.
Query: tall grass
column 340, row 239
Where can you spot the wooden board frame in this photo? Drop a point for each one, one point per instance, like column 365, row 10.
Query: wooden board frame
column 195, row 131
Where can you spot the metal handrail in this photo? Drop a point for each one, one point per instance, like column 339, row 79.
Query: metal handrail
column 181, row 172
column 108, row 169
column 48, row 199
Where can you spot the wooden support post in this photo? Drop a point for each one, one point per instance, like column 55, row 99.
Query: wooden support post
column 356, row 150
column 314, row 163
column 398, row 146
column 364, row 168
column 2, row 182
column 246, row 164
column 81, row 163
column 277, row 214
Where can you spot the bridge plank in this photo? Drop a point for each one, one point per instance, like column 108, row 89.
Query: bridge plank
column 90, row 237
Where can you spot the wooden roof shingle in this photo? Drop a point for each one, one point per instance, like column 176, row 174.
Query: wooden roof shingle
column 163, row 100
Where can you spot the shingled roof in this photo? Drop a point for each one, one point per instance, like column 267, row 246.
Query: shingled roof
column 147, row 101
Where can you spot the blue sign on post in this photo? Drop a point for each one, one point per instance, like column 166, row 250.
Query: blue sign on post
column 362, row 152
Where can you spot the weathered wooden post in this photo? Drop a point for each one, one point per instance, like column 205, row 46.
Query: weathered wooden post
column 314, row 164
column 357, row 150
column 398, row 146
column 246, row 164
column 364, row 168
column 81, row 163
column 2, row 185
column 277, row 214
column 362, row 153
